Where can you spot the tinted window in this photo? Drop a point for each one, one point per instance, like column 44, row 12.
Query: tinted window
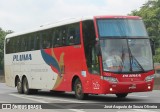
column 60, row 36
column 73, row 34
column 26, row 43
column 14, row 45
column 46, row 40
column 22, row 44
column 121, row 28
column 55, row 37
column 37, row 41
column 89, row 38
column 8, row 45
column 17, row 44
column 32, row 42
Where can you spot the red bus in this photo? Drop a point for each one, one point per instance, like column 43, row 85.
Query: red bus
column 93, row 55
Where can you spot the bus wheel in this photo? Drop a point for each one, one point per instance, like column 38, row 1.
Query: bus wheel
column 79, row 90
column 26, row 89
column 122, row 95
column 19, row 86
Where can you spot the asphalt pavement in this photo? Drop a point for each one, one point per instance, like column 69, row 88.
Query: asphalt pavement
column 67, row 102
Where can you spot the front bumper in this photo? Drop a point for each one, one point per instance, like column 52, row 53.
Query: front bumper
column 127, row 87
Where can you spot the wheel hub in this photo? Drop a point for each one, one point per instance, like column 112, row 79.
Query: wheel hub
column 79, row 89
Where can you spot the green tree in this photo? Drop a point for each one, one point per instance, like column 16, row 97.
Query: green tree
column 2, row 37
column 150, row 12
column 157, row 57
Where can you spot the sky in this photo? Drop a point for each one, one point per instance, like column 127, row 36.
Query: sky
column 20, row 15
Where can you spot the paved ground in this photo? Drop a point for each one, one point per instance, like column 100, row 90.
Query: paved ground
column 10, row 95
column 2, row 80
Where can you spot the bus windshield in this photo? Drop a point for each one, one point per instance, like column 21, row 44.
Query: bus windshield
column 126, row 55
column 121, row 28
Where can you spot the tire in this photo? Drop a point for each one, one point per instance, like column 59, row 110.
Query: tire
column 79, row 90
column 26, row 89
column 121, row 95
column 19, row 86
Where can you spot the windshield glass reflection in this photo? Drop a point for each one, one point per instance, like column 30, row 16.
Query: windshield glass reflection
column 126, row 55
column 121, row 28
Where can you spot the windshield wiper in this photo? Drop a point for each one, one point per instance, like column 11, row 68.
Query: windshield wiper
column 122, row 58
column 132, row 58
column 138, row 63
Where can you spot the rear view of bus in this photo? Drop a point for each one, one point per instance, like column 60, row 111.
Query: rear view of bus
column 126, row 55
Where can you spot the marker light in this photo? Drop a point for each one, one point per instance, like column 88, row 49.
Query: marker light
column 149, row 87
column 111, row 89
column 149, row 78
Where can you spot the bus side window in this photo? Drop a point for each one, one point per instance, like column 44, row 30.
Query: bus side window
column 60, row 36
column 22, row 44
column 64, row 36
column 46, row 39
column 89, row 46
column 43, row 40
column 56, row 38
column 77, row 34
column 52, row 36
column 37, row 41
column 32, row 42
column 13, row 45
column 26, row 43
column 18, row 43
column 8, row 46
column 49, row 39
column 73, row 34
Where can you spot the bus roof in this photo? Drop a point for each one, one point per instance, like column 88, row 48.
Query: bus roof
column 65, row 22
column 51, row 25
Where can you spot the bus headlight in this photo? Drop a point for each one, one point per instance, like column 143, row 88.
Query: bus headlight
column 149, row 78
column 111, row 79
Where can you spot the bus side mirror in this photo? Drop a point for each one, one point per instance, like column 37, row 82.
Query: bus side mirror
column 97, row 46
column 152, row 46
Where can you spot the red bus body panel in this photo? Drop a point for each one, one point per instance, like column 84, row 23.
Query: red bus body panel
column 75, row 63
